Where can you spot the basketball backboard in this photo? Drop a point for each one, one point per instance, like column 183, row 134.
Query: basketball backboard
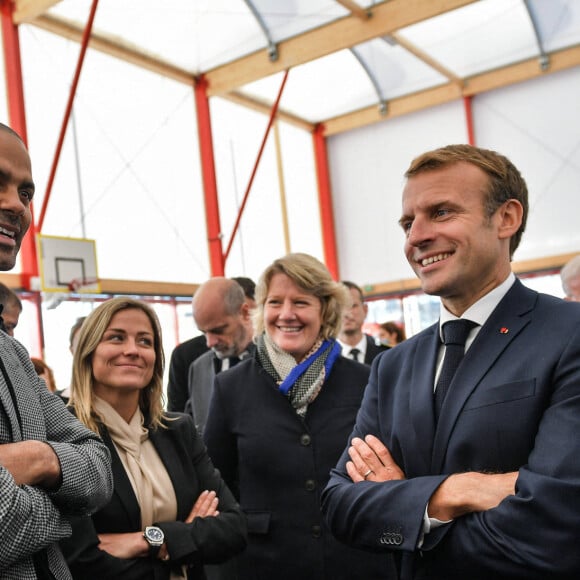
column 68, row 265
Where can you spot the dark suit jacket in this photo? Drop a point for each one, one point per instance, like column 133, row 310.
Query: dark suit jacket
column 514, row 404
column 206, row 540
column 181, row 357
column 279, row 463
column 373, row 349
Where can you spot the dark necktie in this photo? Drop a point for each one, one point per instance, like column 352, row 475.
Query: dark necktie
column 455, row 334
column 354, row 352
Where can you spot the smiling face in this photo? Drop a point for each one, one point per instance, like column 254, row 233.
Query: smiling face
column 292, row 316
column 16, row 192
column 457, row 252
column 123, row 362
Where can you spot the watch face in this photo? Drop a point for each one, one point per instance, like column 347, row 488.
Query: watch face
column 154, row 534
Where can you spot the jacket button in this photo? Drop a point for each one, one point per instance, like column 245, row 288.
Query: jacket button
column 305, row 439
column 316, row 531
column 310, row 485
column 391, row 539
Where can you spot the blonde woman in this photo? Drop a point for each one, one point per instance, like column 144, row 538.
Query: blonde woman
column 170, row 512
column 278, row 423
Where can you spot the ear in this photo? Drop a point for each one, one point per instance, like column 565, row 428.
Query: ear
column 245, row 312
column 365, row 308
column 510, row 216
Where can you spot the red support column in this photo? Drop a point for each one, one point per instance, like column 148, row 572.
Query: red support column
column 325, row 201
column 17, row 120
column 469, row 120
column 255, row 169
column 212, row 212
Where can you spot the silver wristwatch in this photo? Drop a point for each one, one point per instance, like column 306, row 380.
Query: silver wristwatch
column 155, row 538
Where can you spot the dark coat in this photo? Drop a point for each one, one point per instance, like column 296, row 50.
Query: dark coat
column 373, row 350
column 181, row 358
column 204, row 541
column 278, row 463
column 513, row 405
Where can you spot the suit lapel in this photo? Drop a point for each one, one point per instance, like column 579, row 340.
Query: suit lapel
column 421, row 401
column 123, row 488
column 508, row 319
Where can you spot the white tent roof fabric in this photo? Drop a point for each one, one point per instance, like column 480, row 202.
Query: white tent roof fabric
column 386, row 80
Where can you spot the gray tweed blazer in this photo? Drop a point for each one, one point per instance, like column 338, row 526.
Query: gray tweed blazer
column 33, row 520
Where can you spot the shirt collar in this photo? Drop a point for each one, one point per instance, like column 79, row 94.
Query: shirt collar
column 361, row 345
column 481, row 310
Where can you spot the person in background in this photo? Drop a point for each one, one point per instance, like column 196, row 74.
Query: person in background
column 73, row 339
column 278, row 422
column 45, row 373
column 570, row 276
column 391, row 333
column 188, row 351
column 355, row 343
column 222, row 312
column 170, row 512
column 11, row 309
column 51, row 466
column 464, row 457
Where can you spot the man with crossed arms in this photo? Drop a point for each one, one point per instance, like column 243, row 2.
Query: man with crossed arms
column 491, row 487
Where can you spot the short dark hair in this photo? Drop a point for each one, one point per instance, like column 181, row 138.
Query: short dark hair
column 505, row 180
column 248, row 286
column 8, row 296
column 352, row 286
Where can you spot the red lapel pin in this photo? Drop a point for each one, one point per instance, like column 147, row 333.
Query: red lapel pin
column 504, row 330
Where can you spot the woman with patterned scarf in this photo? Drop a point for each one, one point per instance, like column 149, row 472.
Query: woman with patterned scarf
column 279, row 421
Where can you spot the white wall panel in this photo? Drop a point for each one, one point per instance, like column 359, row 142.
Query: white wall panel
column 367, row 167
column 536, row 125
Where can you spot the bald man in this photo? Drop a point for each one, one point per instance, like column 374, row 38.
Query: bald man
column 222, row 313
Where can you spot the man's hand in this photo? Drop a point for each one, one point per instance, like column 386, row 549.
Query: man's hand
column 204, row 507
column 371, row 461
column 465, row 493
column 31, row 463
column 130, row 545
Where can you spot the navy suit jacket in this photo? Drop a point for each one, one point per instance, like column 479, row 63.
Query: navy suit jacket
column 514, row 404
column 205, row 541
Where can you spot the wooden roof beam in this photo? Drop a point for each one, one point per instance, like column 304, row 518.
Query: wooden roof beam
column 355, row 9
column 343, row 33
column 27, row 10
column 265, row 107
column 502, row 77
column 428, row 60
column 123, row 52
column 382, row 289
column 113, row 47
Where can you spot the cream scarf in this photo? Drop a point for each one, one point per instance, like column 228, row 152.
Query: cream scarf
column 147, row 474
